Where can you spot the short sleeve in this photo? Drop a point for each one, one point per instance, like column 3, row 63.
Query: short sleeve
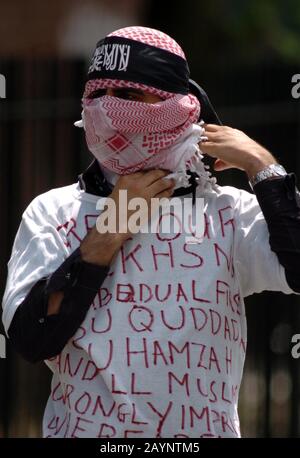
column 38, row 250
column 256, row 264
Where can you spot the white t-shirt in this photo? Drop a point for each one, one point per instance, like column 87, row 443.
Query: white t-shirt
column 161, row 350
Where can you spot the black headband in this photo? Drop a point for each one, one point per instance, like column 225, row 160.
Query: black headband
column 130, row 60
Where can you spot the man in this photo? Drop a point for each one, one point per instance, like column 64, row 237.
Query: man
column 145, row 333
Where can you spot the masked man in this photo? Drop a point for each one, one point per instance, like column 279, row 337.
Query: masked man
column 145, row 333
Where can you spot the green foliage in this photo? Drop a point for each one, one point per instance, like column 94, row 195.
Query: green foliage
column 252, row 31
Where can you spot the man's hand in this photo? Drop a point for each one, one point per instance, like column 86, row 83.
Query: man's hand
column 234, row 149
column 99, row 248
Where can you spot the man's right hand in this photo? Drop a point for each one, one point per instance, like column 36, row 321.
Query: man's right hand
column 100, row 248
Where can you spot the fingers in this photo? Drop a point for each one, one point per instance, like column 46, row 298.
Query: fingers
column 208, row 148
column 153, row 175
column 220, row 165
column 167, row 193
column 142, row 178
column 147, row 184
column 212, row 127
column 210, row 137
column 216, row 133
column 125, row 179
column 137, row 174
column 161, row 185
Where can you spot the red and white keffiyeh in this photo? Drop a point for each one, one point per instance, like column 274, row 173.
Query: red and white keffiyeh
column 127, row 136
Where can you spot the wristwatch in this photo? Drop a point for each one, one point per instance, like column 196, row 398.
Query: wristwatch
column 273, row 170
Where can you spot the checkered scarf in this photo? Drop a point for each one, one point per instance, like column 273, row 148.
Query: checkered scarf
column 127, row 136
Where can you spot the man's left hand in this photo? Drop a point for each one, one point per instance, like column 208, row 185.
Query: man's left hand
column 232, row 148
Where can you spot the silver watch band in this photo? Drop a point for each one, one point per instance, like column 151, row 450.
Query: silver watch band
column 273, row 170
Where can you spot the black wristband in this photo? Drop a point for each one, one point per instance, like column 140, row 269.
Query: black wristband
column 76, row 272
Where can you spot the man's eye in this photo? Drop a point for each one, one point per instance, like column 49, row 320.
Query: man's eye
column 97, row 93
column 128, row 96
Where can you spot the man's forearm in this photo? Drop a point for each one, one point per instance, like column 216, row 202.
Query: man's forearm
column 37, row 334
column 100, row 249
column 96, row 249
column 279, row 200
